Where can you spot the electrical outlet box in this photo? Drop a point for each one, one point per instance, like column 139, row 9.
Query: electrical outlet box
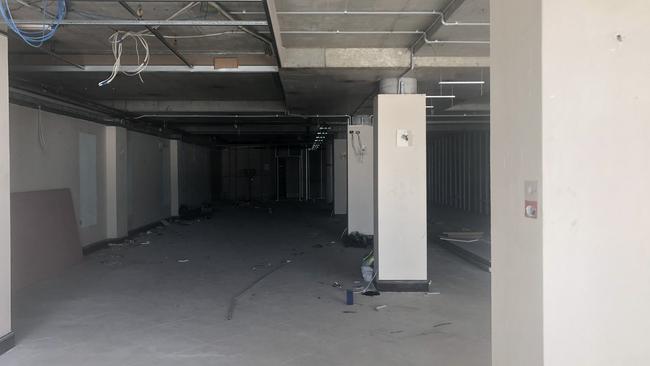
column 531, row 200
column 404, row 138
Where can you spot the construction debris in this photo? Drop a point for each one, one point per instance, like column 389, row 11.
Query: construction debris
column 257, row 266
column 371, row 293
column 357, row 240
column 462, row 236
column 349, row 297
column 381, row 307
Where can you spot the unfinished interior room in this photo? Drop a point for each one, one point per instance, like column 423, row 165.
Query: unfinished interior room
column 324, row 182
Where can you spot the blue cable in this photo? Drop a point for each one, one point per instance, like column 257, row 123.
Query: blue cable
column 34, row 38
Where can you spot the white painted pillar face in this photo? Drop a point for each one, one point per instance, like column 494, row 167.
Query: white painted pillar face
column 570, row 137
column 5, row 194
column 400, row 192
column 329, row 172
column 340, row 177
column 117, row 205
column 360, row 180
column 174, row 146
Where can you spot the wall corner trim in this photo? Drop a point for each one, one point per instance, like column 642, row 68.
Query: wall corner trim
column 7, row 342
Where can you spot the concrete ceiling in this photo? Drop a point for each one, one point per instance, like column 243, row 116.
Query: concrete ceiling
column 74, row 40
column 319, row 73
column 464, row 11
column 345, row 91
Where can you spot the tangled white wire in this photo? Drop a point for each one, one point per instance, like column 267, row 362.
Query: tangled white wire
column 361, row 150
column 117, row 40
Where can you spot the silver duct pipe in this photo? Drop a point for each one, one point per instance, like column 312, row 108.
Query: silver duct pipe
column 427, row 41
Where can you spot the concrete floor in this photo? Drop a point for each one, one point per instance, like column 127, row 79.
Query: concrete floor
column 448, row 219
column 141, row 306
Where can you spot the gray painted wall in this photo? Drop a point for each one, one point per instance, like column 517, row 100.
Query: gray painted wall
column 55, row 164
column 235, row 184
column 458, row 170
column 149, row 179
column 193, row 174
column 361, row 180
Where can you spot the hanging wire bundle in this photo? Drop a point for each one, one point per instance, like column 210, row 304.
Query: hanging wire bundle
column 117, row 40
column 35, row 38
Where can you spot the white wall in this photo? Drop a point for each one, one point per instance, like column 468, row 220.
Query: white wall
column 149, row 179
column 5, row 194
column 194, row 174
column 400, row 188
column 569, row 109
column 329, row 172
column 117, row 203
column 340, row 148
column 516, row 156
column 56, row 164
column 360, row 180
column 174, row 147
column 596, row 168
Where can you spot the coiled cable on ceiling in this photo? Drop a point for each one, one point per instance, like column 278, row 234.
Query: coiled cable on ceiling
column 117, row 40
column 37, row 37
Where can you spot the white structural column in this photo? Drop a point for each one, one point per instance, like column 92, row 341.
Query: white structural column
column 360, row 179
column 173, row 176
column 571, row 138
column 400, row 210
column 117, row 204
column 6, row 335
column 329, row 172
column 340, row 177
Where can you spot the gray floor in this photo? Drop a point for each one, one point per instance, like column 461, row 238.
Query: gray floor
column 141, row 306
column 447, row 219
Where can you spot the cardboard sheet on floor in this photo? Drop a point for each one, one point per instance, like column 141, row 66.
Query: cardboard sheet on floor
column 44, row 235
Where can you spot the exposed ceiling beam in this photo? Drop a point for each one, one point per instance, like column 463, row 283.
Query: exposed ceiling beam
column 196, row 106
column 150, row 68
column 157, row 34
column 372, row 58
column 247, row 30
column 274, row 24
column 147, row 22
column 438, row 23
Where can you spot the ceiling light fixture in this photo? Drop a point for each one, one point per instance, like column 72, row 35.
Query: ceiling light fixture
column 461, row 82
column 35, row 27
column 441, row 96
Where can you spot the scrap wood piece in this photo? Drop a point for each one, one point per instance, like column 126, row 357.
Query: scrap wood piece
column 462, row 236
column 233, row 300
column 459, row 240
